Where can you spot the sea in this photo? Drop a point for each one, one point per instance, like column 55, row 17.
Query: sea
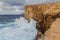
column 16, row 27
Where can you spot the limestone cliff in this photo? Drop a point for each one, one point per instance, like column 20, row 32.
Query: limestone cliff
column 44, row 14
column 50, row 8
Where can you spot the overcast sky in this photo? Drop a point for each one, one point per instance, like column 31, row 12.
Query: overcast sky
column 18, row 1
column 39, row 1
column 16, row 6
column 11, row 7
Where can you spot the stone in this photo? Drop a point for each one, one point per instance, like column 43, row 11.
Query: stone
column 44, row 14
column 54, row 32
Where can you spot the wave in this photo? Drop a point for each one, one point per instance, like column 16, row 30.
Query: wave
column 19, row 30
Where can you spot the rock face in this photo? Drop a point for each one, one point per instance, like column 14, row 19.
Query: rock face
column 34, row 10
column 44, row 14
column 54, row 32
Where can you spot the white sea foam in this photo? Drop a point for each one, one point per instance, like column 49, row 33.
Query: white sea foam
column 19, row 30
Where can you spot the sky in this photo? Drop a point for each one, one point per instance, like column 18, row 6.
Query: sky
column 8, row 7
column 18, row 1
column 27, row 2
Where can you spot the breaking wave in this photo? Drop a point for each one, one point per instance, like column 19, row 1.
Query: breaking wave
column 18, row 30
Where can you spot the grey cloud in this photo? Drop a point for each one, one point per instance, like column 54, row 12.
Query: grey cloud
column 40, row 1
column 12, row 0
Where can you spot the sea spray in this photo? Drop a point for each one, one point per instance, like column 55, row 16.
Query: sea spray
column 19, row 30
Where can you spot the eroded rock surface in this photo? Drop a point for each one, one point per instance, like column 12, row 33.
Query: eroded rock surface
column 44, row 14
column 54, row 32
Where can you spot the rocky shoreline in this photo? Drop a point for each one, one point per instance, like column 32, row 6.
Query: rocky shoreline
column 45, row 15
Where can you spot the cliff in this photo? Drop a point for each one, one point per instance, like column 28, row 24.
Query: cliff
column 44, row 14
column 50, row 8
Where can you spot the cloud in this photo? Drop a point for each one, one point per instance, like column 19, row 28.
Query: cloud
column 40, row 1
column 7, row 8
column 17, row 1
